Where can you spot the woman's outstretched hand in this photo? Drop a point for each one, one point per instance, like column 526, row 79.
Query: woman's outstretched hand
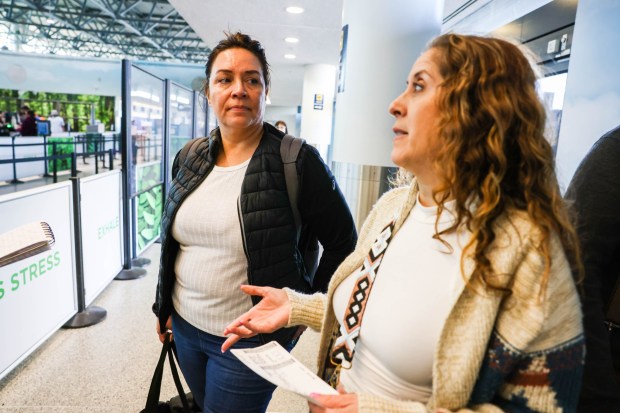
column 265, row 317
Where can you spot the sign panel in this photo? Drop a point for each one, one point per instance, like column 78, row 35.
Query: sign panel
column 38, row 293
column 102, row 236
column 318, row 101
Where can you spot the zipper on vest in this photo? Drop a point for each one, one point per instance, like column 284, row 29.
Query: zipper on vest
column 243, row 240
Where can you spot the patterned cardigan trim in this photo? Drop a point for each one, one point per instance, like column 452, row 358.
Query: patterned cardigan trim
column 545, row 380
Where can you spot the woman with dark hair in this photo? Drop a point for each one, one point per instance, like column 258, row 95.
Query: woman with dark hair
column 228, row 220
column 29, row 124
column 281, row 125
column 459, row 295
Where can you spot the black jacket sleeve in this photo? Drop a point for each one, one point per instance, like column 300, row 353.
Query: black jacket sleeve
column 322, row 206
column 595, row 192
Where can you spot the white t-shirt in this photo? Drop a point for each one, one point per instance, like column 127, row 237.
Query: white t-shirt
column 414, row 290
column 57, row 124
column 211, row 263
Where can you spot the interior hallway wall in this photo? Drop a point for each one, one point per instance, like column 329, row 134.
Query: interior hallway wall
column 43, row 73
column 592, row 97
column 76, row 75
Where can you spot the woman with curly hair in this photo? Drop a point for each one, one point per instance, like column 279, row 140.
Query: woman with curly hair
column 459, row 295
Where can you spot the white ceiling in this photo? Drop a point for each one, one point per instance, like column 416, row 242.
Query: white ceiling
column 318, row 31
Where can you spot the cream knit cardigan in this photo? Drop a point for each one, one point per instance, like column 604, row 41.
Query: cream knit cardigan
column 523, row 352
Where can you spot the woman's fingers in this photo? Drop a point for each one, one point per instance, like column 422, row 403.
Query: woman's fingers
column 161, row 335
column 342, row 403
column 230, row 341
column 254, row 290
column 240, row 330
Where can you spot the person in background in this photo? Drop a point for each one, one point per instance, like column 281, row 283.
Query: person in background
column 281, row 125
column 23, row 112
column 595, row 194
column 57, row 123
column 29, row 124
column 227, row 221
column 459, row 295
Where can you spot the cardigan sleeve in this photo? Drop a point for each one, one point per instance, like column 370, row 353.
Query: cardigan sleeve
column 306, row 309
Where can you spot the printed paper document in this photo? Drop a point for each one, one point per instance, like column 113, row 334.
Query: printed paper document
column 272, row 362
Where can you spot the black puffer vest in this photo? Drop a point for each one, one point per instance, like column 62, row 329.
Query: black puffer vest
column 267, row 223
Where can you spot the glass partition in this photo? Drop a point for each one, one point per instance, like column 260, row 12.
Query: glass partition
column 147, row 156
column 200, row 115
column 211, row 120
column 179, row 119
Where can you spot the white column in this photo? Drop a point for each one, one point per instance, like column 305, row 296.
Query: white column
column 592, row 97
column 317, row 106
column 384, row 39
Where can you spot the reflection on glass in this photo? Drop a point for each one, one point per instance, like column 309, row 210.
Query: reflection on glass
column 180, row 121
column 147, row 109
column 551, row 90
column 212, row 120
column 146, row 166
column 200, row 102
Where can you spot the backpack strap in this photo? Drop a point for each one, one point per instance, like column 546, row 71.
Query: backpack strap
column 289, row 150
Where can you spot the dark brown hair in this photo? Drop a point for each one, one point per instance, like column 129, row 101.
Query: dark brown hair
column 239, row 41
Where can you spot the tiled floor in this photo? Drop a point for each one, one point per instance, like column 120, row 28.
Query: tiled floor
column 107, row 367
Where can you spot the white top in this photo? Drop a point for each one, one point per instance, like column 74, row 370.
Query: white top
column 211, row 263
column 395, row 350
column 56, row 124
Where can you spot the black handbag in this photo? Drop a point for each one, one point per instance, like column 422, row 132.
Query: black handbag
column 153, row 405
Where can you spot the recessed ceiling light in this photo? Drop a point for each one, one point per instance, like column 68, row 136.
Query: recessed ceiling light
column 294, row 10
column 289, row 56
column 291, row 39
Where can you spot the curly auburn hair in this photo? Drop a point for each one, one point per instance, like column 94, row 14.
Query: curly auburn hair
column 492, row 128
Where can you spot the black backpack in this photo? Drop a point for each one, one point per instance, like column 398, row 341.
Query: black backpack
column 307, row 243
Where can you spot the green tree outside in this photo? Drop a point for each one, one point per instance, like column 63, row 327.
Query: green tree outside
column 74, row 108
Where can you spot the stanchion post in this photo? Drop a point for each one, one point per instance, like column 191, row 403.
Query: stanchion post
column 73, row 165
column 46, row 168
column 96, row 159
column 55, row 161
column 84, row 148
column 91, row 315
column 15, row 180
column 115, row 138
column 128, row 272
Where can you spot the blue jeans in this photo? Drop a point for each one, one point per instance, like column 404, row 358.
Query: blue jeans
column 220, row 383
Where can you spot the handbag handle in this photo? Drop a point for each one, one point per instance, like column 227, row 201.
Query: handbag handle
column 152, row 401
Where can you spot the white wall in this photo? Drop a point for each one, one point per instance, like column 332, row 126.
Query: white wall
column 56, row 74
column 592, row 97
column 286, row 113
column 41, row 73
column 484, row 16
